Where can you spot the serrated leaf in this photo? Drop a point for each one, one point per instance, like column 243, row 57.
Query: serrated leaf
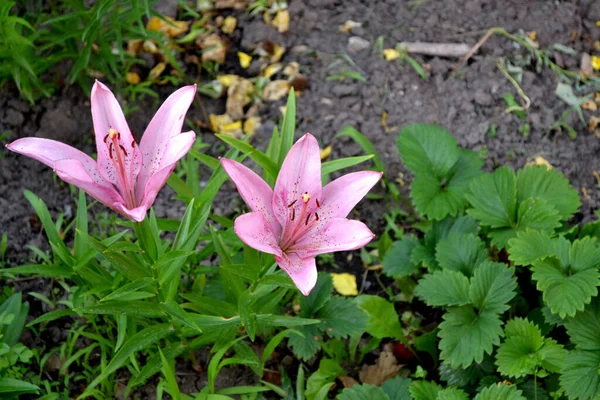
column 397, row 388
column 584, row 328
column 565, row 290
column 466, row 376
column 493, row 285
column 397, row 262
column 363, row 392
column 424, row 390
column 451, row 394
column 427, row 149
column 305, row 347
column 317, row 298
column 500, row 392
column 461, row 252
column 467, row 336
column 494, row 198
column 341, row 318
column 553, row 355
column 326, row 374
column 549, row 185
column 444, row 288
column 383, row 321
column 529, row 246
column 579, row 376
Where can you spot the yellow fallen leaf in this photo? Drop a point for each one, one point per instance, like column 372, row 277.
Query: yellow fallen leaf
column 150, row 47
column 229, row 25
column 275, row 90
column 391, row 54
column 589, row 105
column 540, row 161
column 598, row 24
column 277, row 53
column 172, row 28
column 272, row 70
column 245, row 59
column 251, row 125
column 227, row 80
column 596, row 63
column 325, row 152
column 532, row 36
column 157, row 70
column 216, row 121
column 291, row 69
column 345, row 284
column 281, row 21
column 132, row 78
column 384, row 116
column 233, row 129
column 134, row 46
column 348, row 25
column 593, row 123
column 238, row 96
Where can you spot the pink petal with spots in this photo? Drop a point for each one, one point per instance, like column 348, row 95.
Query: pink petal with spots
column 338, row 234
column 300, row 173
column 303, row 271
column 165, row 125
column 254, row 230
column 341, row 195
column 107, row 114
column 254, row 190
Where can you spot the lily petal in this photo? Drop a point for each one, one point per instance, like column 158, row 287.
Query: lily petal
column 338, row 234
column 137, row 214
column 74, row 172
column 300, row 173
column 254, row 190
column 50, row 151
column 341, row 195
column 177, row 147
column 303, row 271
column 107, row 114
column 165, row 124
column 254, row 230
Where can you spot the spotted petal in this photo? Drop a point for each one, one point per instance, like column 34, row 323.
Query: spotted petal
column 341, row 195
column 303, row 271
column 254, row 230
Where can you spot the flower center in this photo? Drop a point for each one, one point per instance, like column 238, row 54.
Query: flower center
column 299, row 222
column 121, row 161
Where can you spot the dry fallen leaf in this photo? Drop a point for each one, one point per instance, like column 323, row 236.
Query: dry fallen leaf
column 596, row 63
column 345, row 283
column 589, row 105
column 272, row 70
column 300, row 83
column 216, row 121
column 229, row 25
column 324, row 154
column 391, row 54
column 213, row 49
column 532, row 36
column 593, row 123
column 224, row 125
column 251, row 125
column 347, row 26
column 150, row 47
column 157, row 71
column 245, row 59
column 172, row 28
column 227, row 80
column 386, row 368
column 282, row 21
column 347, row 381
column 134, row 46
column 277, row 53
column 238, row 96
column 132, row 78
column 291, row 69
column 540, row 161
column 275, row 90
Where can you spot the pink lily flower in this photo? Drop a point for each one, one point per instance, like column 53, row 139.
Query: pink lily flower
column 127, row 176
column 299, row 218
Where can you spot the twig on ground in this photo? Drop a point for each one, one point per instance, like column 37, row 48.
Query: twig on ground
column 436, row 49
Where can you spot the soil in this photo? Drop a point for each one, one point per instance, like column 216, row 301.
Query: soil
column 467, row 101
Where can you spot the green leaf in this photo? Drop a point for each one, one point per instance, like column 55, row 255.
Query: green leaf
column 137, row 342
column 364, row 143
column 317, row 298
column 383, row 321
column 133, row 308
column 397, row 388
column 583, row 329
column 128, row 288
column 397, row 262
column 492, row 287
column 579, row 376
column 288, row 128
column 307, row 342
column 341, row 318
column 461, row 252
column 341, row 163
column 466, row 376
column 494, row 198
column 15, row 387
column 452, row 394
column 424, row 390
column 261, row 158
column 467, row 336
column 568, row 286
column 428, row 149
column 518, row 355
column 437, row 197
column 549, row 185
column 328, row 371
column 363, row 392
column 530, row 246
column 444, row 288
column 500, row 392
